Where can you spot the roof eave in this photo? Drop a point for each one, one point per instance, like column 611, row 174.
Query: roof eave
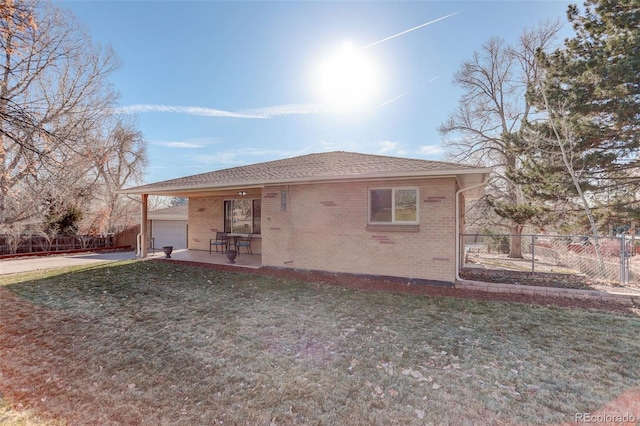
column 195, row 189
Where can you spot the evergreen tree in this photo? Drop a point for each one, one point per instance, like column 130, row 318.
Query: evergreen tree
column 584, row 152
column 64, row 222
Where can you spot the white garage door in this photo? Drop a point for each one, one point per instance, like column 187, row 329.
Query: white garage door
column 169, row 233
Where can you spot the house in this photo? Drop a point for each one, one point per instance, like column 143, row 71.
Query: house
column 168, row 227
column 337, row 211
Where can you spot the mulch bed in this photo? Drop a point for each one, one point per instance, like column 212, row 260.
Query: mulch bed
column 526, row 278
column 366, row 283
column 546, row 279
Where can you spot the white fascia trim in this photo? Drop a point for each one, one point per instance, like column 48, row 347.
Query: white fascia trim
column 304, row 181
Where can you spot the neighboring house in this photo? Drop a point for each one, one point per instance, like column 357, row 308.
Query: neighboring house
column 168, row 227
column 335, row 211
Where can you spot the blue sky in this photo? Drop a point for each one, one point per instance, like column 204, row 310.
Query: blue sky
column 218, row 84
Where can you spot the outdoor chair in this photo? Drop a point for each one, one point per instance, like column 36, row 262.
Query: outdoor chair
column 219, row 241
column 244, row 242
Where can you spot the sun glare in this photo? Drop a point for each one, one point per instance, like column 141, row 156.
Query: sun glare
column 347, row 79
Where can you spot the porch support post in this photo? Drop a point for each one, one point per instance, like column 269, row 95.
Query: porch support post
column 143, row 225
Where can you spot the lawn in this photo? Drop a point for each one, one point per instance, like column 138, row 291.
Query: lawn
column 150, row 342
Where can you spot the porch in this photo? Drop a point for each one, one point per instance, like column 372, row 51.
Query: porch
column 243, row 260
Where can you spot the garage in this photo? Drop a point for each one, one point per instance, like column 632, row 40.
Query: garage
column 168, row 227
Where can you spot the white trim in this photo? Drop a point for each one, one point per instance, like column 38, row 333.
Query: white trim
column 204, row 187
column 393, row 190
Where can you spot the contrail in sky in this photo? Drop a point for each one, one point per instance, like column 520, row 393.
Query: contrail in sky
column 404, row 94
column 410, row 29
column 207, row 112
column 273, row 111
column 284, row 110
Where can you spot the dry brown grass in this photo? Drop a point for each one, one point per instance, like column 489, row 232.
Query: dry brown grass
column 160, row 343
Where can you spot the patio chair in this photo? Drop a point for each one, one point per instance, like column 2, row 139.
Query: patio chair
column 244, row 242
column 220, row 240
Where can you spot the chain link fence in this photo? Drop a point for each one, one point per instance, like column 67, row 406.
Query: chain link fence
column 612, row 260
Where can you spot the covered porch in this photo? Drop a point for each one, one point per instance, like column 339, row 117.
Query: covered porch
column 236, row 212
column 253, row 261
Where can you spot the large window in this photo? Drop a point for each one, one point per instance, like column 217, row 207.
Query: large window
column 242, row 216
column 393, row 205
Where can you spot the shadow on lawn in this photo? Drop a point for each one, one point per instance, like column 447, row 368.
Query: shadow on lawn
column 165, row 343
column 364, row 283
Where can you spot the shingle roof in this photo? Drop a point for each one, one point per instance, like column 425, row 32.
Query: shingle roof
column 335, row 165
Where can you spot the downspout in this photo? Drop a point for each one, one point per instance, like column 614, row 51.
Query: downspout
column 458, row 254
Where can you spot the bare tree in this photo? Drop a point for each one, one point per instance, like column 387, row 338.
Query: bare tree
column 15, row 15
column 486, row 128
column 117, row 158
column 56, row 105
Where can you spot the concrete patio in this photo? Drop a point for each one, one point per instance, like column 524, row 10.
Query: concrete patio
column 243, row 260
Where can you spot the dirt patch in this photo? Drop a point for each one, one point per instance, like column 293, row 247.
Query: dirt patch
column 499, row 268
column 545, row 279
column 357, row 282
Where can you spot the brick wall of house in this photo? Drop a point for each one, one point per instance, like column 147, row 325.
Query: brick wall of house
column 462, row 208
column 277, row 237
column 206, row 217
column 324, row 227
